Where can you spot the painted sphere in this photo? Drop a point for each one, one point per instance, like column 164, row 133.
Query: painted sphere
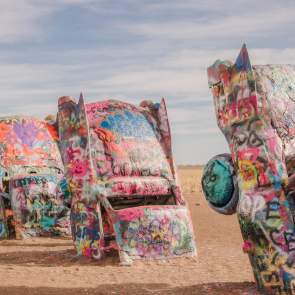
column 217, row 181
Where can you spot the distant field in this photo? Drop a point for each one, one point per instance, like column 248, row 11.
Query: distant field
column 190, row 177
column 182, row 167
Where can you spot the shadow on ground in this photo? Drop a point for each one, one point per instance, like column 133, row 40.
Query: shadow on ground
column 135, row 289
column 14, row 243
column 64, row 258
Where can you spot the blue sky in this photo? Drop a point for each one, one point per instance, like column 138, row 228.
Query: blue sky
column 134, row 50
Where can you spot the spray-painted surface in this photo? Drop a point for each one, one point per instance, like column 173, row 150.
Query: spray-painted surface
column 154, row 232
column 27, row 143
column 219, row 183
column 118, row 160
column 255, row 111
column 31, row 179
column 3, row 222
column 40, row 206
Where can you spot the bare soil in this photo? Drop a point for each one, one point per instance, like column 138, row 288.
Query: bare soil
column 49, row 266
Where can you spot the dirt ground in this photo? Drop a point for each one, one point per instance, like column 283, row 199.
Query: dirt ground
column 49, row 266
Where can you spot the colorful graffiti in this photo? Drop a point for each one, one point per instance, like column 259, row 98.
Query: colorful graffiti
column 255, row 111
column 219, row 183
column 130, row 141
column 40, row 206
column 3, row 222
column 27, row 143
column 33, row 190
column 153, row 232
column 118, row 158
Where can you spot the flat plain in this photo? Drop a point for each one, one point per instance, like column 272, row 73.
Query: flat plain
column 49, row 266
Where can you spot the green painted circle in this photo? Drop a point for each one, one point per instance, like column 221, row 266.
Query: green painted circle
column 217, row 182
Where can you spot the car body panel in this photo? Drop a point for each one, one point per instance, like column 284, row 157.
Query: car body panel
column 154, row 231
column 30, row 164
column 3, row 221
column 118, row 157
column 27, row 143
column 255, row 111
column 40, row 206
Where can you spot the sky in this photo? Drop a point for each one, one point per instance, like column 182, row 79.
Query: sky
column 133, row 50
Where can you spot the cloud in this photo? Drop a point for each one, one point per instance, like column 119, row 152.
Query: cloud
column 18, row 19
column 22, row 20
column 180, row 77
column 217, row 6
column 247, row 22
column 133, row 50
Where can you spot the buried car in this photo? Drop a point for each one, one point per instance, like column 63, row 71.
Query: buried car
column 118, row 161
column 34, row 197
column 255, row 110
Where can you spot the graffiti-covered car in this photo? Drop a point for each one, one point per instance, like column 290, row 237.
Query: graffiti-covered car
column 118, row 161
column 34, row 197
column 255, row 110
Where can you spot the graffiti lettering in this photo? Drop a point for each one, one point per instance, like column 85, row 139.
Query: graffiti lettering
column 272, row 209
column 249, row 206
column 255, row 111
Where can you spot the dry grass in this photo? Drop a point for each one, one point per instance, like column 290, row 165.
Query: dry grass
column 190, row 178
